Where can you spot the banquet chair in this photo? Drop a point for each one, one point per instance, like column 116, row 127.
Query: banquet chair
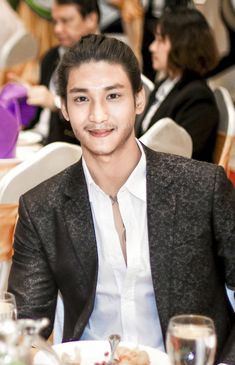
column 17, row 45
column 226, row 128
column 45, row 163
column 148, row 85
column 167, row 136
column 6, row 164
column 19, row 48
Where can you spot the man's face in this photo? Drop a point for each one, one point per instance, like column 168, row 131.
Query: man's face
column 69, row 25
column 101, row 107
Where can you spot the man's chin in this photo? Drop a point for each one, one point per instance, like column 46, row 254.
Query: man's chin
column 65, row 44
column 99, row 151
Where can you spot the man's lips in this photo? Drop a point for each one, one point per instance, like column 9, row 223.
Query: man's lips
column 100, row 132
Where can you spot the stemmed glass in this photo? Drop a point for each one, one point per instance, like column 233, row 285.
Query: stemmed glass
column 7, row 306
column 191, row 340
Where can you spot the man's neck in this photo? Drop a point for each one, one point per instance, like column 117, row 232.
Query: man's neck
column 110, row 172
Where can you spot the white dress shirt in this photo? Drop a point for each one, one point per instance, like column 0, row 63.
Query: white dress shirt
column 161, row 93
column 125, row 301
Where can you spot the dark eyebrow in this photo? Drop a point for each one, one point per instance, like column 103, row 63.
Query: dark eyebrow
column 84, row 90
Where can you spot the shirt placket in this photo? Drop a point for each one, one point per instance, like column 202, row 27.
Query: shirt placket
column 128, row 307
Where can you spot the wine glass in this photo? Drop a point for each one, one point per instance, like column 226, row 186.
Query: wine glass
column 41, row 352
column 191, row 340
column 7, row 306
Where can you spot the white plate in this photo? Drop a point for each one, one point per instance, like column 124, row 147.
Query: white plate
column 28, row 138
column 92, row 352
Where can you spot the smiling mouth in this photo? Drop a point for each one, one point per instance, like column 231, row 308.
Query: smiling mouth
column 100, row 132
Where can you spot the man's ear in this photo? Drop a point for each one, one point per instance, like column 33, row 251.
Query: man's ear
column 140, row 101
column 92, row 22
column 64, row 110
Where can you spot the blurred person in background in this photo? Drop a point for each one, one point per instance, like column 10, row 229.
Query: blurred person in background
column 36, row 17
column 153, row 10
column 72, row 19
column 124, row 20
column 227, row 14
column 132, row 18
column 184, row 50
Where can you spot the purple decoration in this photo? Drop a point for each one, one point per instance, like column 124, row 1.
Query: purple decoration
column 9, row 130
column 13, row 97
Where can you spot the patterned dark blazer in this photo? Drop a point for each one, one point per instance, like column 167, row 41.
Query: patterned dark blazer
column 191, row 224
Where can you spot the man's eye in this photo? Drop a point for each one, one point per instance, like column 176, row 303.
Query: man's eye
column 67, row 20
column 80, row 99
column 114, row 96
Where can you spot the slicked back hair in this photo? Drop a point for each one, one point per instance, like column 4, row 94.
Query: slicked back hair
column 95, row 48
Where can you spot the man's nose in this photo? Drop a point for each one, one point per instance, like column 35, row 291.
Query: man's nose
column 58, row 27
column 98, row 113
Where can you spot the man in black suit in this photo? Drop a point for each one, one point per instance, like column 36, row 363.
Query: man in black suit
column 129, row 236
column 72, row 19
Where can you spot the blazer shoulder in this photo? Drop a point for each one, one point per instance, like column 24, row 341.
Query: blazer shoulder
column 51, row 190
column 183, row 171
column 197, row 87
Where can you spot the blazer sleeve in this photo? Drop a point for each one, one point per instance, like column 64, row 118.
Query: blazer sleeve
column 224, row 229
column 224, row 224
column 31, row 274
column 195, row 110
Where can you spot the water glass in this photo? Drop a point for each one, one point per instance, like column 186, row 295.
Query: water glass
column 191, row 340
column 7, row 306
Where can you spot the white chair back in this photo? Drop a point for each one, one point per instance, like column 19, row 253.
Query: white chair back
column 6, row 164
column 43, row 164
column 148, row 85
column 167, row 136
column 17, row 45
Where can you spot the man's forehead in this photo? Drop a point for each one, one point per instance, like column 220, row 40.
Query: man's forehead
column 101, row 86
column 102, row 65
column 65, row 9
column 98, row 75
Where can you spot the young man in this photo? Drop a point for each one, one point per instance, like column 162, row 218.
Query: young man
column 129, row 236
column 72, row 20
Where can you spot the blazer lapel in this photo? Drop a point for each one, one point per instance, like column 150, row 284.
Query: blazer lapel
column 78, row 217
column 165, row 109
column 161, row 204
